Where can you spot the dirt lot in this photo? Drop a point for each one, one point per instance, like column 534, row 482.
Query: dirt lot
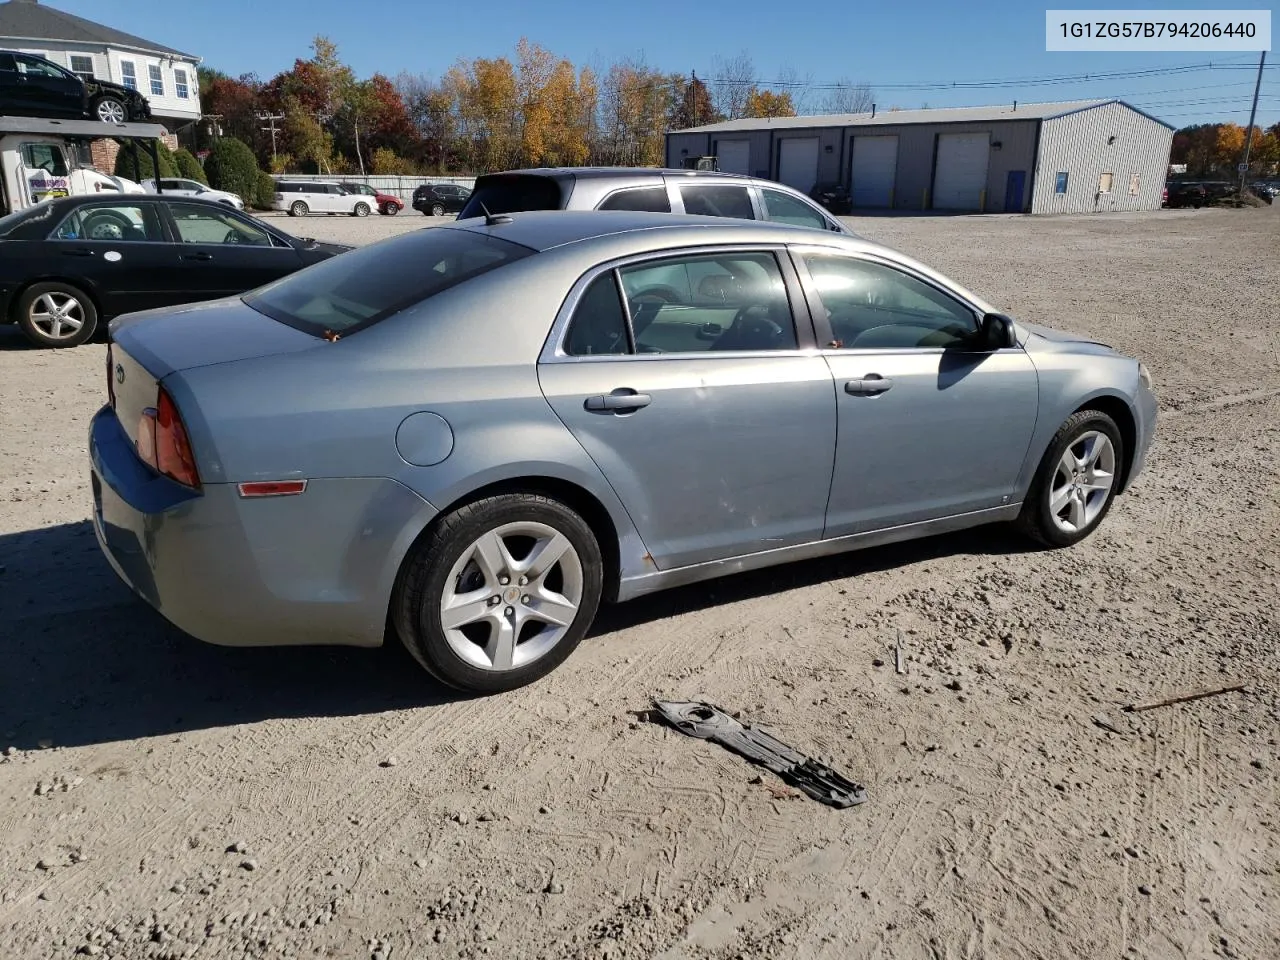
column 1003, row 823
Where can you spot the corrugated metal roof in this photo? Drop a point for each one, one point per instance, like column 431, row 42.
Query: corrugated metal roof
column 1003, row 111
column 30, row 20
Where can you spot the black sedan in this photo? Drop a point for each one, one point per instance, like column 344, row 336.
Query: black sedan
column 437, row 199
column 32, row 86
column 69, row 263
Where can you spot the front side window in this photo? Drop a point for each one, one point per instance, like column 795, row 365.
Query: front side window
column 31, row 67
column 157, row 80
column 180, row 84
column 699, row 304
column 45, row 156
column 198, row 224
column 787, row 209
column 872, row 306
column 647, row 199
column 128, row 74
column 82, row 66
column 717, row 200
column 115, row 222
column 364, row 286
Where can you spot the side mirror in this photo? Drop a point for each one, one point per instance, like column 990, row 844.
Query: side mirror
column 996, row 332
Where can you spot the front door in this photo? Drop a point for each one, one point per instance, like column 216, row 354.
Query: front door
column 1013, row 190
column 696, row 402
column 49, row 89
column 221, row 254
column 927, row 426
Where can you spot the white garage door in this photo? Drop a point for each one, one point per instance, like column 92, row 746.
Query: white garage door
column 734, row 155
column 962, row 171
column 798, row 163
column 875, row 164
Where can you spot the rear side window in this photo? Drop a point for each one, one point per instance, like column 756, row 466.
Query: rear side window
column 717, row 200
column 357, row 289
column 599, row 325
column 512, row 194
column 648, row 199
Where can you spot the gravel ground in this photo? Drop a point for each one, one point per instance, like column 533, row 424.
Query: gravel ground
column 162, row 798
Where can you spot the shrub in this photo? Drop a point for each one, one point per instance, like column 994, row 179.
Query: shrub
column 232, row 167
column 385, row 161
column 189, row 167
column 146, row 171
column 266, row 191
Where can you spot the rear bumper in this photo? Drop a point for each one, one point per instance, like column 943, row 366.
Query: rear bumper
column 311, row 569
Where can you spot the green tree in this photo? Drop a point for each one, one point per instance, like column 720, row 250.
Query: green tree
column 145, row 170
column 231, row 166
column 189, row 167
column 265, row 194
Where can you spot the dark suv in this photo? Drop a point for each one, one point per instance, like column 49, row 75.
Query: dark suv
column 32, row 86
column 437, row 199
column 705, row 192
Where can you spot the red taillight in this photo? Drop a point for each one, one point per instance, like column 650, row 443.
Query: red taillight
column 163, row 443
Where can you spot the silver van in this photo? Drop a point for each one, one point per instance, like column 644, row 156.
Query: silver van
column 653, row 189
column 303, row 197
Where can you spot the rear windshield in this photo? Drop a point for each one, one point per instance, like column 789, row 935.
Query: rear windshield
column 357, row 289
column 512, row 194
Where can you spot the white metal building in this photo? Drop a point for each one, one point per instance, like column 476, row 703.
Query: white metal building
column 1072, row 157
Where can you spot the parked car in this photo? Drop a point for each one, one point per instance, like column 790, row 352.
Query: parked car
column 437, row 199
column 303, row 197
column 834, row 196
column 387, row 204
column 193, row 188
column 407, row 454
column 32, row 86
column 1183, row 193
column 702, row 192
column 1264, row 190
column 67, row 264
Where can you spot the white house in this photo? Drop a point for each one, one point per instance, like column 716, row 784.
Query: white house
column 166, row 77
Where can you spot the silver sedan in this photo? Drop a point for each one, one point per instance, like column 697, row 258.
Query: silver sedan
column 476, row 433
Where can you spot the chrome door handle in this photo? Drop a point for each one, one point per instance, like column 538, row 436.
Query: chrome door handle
column 618, row 402
column 869, row 386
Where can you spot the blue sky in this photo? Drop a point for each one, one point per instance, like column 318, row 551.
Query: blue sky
column 825, row 40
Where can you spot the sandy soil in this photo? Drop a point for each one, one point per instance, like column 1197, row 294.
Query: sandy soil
column 162, row 798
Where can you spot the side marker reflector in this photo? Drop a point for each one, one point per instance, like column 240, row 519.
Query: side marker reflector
column 272, row 488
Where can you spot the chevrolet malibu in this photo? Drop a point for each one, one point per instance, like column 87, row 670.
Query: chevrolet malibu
column 470, row 436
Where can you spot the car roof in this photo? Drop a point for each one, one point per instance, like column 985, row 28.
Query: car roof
column 546, row 229
column 593, row 173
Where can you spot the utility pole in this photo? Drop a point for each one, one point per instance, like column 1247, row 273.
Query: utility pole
column 1248, row 131
column 271, row 118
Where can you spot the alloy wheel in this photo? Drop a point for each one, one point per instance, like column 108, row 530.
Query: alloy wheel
column 111, row 111
column 1083, row 482
column 59, row 316
column 511, row 596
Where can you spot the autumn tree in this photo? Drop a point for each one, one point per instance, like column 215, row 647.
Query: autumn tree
column 847, row 97
column 766, row 103
column 695, row 105
column 733, row 78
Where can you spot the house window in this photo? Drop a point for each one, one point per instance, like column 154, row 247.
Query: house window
column 1135, row 184
column 128, row 74
column 82, row 66
column 157, row 80
column 180, row 81
column 1104, row 183
column 1060, row 184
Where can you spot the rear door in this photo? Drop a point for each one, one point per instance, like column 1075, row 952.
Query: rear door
column 222, row 254
column 712, row 199
column 693, row 384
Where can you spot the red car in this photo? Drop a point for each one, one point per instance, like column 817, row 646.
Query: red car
column 386, row 203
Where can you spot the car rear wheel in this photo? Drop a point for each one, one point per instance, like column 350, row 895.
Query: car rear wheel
column 391, row 209
column 1077, row 481
column 110, row 110
column 299, row 209
column 56, row 314
column 499, row 592
column 361, row 210
column 437, row 209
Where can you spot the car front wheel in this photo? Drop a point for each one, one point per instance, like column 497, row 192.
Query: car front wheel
column 499, row 592
column 361, row 210
column 56, row 315
column 1076, row 482
column 390, row 209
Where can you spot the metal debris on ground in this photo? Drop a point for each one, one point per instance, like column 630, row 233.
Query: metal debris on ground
column 899, row 661
column 1183, row 698
column 707, row 722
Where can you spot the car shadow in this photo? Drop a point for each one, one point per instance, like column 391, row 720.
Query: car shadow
column 86, row 662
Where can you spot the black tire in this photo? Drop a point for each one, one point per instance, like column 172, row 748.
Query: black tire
column 391, row 209
column 28, row 308
column 361, row 210
column 437, row 209
column 1037, row 519
column 299, row 208
column 109, row 109
column 416, row 601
